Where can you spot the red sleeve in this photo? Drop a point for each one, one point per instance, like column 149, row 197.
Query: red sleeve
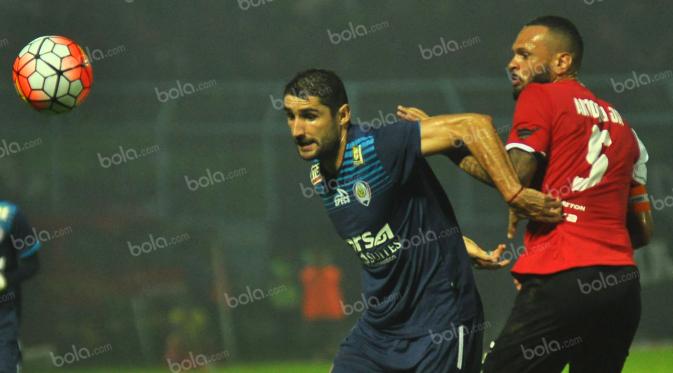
column 531, row 129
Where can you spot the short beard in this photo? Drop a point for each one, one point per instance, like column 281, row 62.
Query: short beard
column 330, row 147
column 543, row 76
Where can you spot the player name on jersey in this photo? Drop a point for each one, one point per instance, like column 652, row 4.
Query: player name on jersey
column 590, row 108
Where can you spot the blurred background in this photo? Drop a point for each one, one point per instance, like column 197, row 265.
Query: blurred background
column 179, row 223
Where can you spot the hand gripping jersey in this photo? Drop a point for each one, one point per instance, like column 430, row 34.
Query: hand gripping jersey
column 593, row 156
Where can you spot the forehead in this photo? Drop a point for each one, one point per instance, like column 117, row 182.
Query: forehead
column 531, row 37
column 300, row 103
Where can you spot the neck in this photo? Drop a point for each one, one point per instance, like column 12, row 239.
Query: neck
column 560, row 78
column 334, row 160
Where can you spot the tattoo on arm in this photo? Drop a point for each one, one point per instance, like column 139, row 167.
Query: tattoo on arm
column 470, row 165
column 524, row 163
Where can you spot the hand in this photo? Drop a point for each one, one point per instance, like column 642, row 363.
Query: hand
column 411, row 114
column 537, row 206
column 483, row 259
column 517, row 284
column 513, row 220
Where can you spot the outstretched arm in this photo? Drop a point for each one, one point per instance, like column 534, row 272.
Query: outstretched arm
column 524, row 163
column 446, row 133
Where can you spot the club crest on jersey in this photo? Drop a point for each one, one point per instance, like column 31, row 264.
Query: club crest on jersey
column 341, row 198
column 316, row 176
column 362, row 192
column 358, row 159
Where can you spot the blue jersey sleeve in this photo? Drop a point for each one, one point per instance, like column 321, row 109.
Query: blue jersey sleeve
column 399, row 148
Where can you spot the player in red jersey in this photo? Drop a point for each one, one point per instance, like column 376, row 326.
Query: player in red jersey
column 579, row 298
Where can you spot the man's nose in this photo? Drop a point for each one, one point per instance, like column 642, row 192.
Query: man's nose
column 297, row 128
column 511, row 66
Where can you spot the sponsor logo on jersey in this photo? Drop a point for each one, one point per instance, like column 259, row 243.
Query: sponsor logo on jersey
column 316, row 176
column 375, row 249
column 358, row 159
column 341, row 198
column 362, row 192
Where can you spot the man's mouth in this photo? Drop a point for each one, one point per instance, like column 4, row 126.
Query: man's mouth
column 514, row 79
column 306, row 146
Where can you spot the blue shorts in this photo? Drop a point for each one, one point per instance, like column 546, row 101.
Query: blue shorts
column 10, row 355
column 455, row 349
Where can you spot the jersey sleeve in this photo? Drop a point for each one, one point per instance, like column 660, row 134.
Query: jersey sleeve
column 640, row 167
column 399, row 148
column 531, row 129
column 22, row 232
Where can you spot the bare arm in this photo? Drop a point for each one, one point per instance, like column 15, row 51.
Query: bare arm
column 639, row 220
column 525, row 164
column 446, row 133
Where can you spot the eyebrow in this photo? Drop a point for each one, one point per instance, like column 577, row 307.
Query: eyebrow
column 520, row 50
column 303, row 111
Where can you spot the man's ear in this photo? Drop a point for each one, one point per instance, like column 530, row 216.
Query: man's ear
column 344, row 114
column 563, row 63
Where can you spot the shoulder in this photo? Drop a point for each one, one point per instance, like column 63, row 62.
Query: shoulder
column 397, row 128
column 539, row 91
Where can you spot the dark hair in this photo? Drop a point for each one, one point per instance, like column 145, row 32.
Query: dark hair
column 324, row 84
column 566, row 29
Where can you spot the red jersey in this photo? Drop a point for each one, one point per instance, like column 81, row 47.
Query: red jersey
column 592, row 157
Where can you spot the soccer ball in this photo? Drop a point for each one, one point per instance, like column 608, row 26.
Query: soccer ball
column 52, row 74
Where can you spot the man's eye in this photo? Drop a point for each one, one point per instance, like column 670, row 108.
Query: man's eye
column 310, row 116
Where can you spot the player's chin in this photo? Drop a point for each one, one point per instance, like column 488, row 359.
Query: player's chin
column 308, row 154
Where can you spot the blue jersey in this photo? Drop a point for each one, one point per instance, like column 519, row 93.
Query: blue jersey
column 18, row 241
column 387, row 204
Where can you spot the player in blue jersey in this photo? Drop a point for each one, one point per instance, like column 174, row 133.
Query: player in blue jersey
column 424, row 313
column 18, row 262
